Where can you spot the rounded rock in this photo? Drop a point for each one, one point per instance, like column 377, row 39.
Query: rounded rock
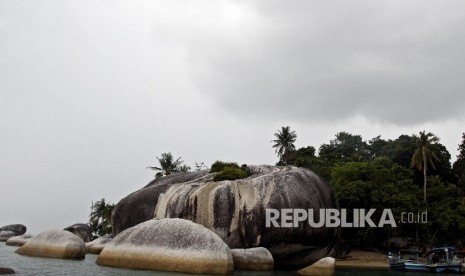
column 6, row 270
column 18, row 240
column 96, row 246
column 54, row 244
column 18, row 229
column 81, row 230
column 258, row 258
column 5, row 235
column 168, row 245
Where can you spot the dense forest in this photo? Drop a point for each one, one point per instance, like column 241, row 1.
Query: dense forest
column 412, row 173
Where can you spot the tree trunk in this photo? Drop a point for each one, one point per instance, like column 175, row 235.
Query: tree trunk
column 424, row 178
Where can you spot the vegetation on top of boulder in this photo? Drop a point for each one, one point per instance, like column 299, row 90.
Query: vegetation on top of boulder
column 284, row 144
column 229, row 171
column 169, row 165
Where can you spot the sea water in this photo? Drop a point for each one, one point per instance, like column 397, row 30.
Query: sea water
column 29, row 266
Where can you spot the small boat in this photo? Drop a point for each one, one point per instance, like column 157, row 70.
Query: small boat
column 444, row 260
column 438, row 260
column 407, row 264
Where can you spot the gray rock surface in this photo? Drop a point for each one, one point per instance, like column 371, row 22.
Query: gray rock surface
column 5, row 235
column 168, row 245
column 18, row 229
column 96, row 246
column 54, row 244
column 258, row 258
column 235, row 210
column 81, row 230
column 18, row 240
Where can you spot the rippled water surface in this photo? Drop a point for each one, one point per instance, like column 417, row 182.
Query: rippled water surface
column 29, row 266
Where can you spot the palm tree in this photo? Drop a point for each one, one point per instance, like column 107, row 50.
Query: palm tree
column 284, row 143
column 168, row 165
column 100, row 217
column 424, row 155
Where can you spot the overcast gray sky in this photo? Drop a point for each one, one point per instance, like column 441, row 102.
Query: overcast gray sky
column 92, row 91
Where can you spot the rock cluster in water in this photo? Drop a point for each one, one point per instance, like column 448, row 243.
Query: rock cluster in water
column 235, row 210
column 56, row 244
column 168, row 245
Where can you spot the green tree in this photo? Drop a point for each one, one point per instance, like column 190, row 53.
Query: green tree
column 375, row 184
column 346, row 147
column 400, row 150
column 200, row 166
column 184, row 168
column 459, row 165
column 284, row 144
column 169, row 165
column 100, row 217
column 424, row 155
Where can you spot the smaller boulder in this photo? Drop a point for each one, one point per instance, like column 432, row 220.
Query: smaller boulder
column 54, row 244
column 18, row 240
column 5, row 235
column 6, row 270
column 175, row 245
column 323, row 267
column 96, row 246
column 81, row 230
column 18, row 229
column 258, row 258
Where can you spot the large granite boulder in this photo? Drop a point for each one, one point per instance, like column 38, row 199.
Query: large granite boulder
column 168, row 245
column 18, row 240
column 54, row 244
column 236, row 210
column 96, row 246
column 258, row 258
column 81, row 230
column 18, row 229
column 5, row 235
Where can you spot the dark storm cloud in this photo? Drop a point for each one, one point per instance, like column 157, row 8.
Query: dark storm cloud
column 390, row 61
